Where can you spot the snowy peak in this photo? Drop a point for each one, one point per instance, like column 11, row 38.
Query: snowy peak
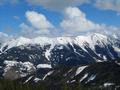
column 21, row 41
column 64, row 40
column 90, row 44
column 15, row 42
column 42, row 40
column 92, row 38
column 99, row 38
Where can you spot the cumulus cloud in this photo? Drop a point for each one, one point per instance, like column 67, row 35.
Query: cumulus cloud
column 40, row 26
column 108, row 5
column 38, row 20
column 75, row 21
column 31, row 32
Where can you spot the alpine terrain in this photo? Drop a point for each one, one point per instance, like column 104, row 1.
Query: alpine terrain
column 91, row 60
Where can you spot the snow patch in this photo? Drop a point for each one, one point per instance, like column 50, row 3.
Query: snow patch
column 49, row 73
column 108, row 84
column 37, row 79
column 28, row 79
column 92, row 77
column 80, row 69
column 85, row 76
column 44, row 66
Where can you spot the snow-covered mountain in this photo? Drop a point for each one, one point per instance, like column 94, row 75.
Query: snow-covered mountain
column 95, row 46
column 22, row 57
column 91, row 39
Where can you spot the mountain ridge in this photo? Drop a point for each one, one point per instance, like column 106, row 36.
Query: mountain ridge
column 39, row 57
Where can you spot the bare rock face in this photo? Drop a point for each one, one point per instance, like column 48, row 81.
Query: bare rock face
column 15, row 70
column 12, row 74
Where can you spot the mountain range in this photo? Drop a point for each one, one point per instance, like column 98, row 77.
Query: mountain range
column 92, row 59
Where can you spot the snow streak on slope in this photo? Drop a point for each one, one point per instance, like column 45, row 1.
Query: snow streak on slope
column 49, row 73
column 44, row 66
column 80, row 69
column 85, row 76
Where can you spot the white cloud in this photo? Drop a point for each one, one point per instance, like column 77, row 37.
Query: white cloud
column 107, row 30
column 108, row 5
column 40, row 26
column 75, row 21
column 57, row 5
column 31, row 32
column 38, row 20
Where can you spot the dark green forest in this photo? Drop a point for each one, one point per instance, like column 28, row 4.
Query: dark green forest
column 15, row 85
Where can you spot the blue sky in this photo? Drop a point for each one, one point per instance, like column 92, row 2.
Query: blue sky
column 12, row 15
